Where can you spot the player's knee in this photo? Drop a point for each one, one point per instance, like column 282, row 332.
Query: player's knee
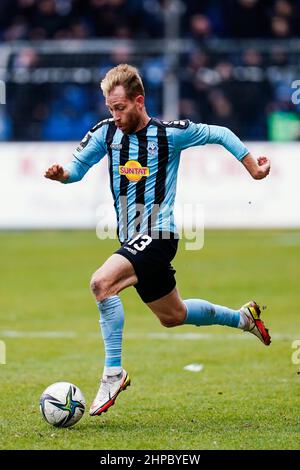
column 99, row 287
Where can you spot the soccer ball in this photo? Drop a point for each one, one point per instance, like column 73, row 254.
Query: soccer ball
column 62, row 404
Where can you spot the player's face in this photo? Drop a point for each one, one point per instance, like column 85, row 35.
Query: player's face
column 127, row 113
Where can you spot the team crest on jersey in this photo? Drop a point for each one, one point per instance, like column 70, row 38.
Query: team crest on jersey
column 134, row 171
column 152, row 148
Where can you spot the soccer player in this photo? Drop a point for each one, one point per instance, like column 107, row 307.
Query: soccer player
column 143, row 158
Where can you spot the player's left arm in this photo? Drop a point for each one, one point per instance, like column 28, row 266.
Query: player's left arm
column 258, row 168
column 190, row 134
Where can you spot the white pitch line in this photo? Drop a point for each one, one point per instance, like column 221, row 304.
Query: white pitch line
column 205, row 336
column 148, row 336
column 38, row 334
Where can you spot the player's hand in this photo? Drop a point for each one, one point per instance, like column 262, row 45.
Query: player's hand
column 56, row 172
column 264, row 167
column 258, row 168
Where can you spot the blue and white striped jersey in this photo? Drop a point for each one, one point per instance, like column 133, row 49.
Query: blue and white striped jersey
column 143, row 168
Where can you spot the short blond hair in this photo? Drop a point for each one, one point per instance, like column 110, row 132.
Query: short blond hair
column 126, row 76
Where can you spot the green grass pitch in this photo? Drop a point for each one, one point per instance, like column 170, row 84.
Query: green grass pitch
column 246, row 396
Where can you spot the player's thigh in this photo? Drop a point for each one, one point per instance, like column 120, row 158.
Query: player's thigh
column 170, row 309
column 114, row 275
column 151, row 258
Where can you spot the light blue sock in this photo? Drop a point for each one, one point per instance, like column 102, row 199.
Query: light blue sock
column 111, row 323
column 200, row 312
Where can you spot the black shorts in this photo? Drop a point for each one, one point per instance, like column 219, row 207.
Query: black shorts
column 150, row 258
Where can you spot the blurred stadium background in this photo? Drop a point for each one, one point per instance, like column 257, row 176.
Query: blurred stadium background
column 233, row 63
column 228, row 62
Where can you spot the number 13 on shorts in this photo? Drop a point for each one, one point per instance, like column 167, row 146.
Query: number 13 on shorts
column 140, row 241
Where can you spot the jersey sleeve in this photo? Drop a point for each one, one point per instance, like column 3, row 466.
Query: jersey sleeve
column 224, row 136
column 201, row 134
column 190, row 135
column 91, row 150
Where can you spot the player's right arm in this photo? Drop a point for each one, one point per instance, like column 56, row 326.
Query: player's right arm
column 90, row 151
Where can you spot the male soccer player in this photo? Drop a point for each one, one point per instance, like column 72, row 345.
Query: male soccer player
column 143, row 158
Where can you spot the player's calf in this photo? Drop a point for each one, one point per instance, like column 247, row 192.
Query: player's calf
column 169, row 317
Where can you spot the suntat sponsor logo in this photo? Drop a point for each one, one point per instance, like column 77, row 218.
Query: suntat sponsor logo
column 133, row 170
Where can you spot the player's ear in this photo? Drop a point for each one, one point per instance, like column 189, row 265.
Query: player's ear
column 140, row 101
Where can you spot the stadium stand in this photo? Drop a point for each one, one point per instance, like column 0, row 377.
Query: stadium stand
column 231, row 68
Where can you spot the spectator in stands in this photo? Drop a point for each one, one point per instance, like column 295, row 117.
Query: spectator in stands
column 47, row 21
column 18, row 30
column 280, row 27
column 247, row 19
column 254, row 93
column 289, row 11
column 188, row 109
column 200, row 27
column 28, row 106
column 245, row 88
column 7, row 13
column 222, row 110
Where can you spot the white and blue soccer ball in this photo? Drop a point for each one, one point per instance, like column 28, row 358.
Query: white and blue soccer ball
column 62, row 404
